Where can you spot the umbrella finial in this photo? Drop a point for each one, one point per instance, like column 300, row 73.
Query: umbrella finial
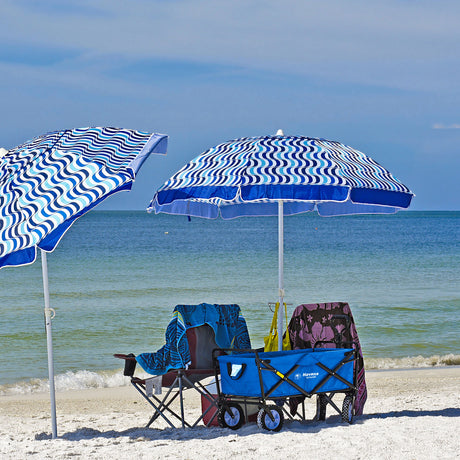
column 279, row 132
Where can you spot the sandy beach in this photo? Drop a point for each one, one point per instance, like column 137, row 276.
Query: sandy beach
column 411, row 414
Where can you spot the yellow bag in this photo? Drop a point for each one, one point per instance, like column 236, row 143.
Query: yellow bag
column 271, row 341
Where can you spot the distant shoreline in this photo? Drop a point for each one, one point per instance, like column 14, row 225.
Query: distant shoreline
column 407, row 211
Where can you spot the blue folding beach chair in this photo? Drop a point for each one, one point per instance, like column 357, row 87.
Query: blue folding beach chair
column 186, row 359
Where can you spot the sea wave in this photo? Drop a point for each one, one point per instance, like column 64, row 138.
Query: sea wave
column 84, row 379
column 79, row 380
column 412, row 362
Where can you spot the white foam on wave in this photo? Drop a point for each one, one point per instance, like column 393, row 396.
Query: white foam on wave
column 79, row 380
column 412, row 362
column 82, row 380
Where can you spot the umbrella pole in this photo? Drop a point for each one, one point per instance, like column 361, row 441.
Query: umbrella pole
column 49, row 314
column 280, row 272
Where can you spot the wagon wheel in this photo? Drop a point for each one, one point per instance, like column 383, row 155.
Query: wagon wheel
column 264, row 420
column 321, row 404
column 230, row 416
column 347, row 409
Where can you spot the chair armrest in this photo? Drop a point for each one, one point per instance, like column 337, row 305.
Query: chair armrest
column 129, row 357
column 130, row 363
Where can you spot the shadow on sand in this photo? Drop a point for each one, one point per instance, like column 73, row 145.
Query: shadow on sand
column 203, row 432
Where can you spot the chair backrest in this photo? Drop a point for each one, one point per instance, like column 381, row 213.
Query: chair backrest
column 312, row 323
column 222, row 324
column 201, row 342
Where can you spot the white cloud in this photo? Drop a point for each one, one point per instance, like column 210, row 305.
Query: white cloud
column 444, row 126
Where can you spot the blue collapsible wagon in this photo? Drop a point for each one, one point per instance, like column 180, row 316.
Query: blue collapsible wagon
column 268, row 379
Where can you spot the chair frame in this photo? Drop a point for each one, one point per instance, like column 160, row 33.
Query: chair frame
column 174, row 382
column 181, row 383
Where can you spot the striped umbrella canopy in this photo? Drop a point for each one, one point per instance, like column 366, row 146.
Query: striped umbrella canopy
column 281, row 175
column 51, row 180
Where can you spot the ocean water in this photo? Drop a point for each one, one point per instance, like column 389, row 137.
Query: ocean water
column 116, row 276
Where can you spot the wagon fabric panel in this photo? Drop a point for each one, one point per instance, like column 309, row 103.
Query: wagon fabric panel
column 240, row 374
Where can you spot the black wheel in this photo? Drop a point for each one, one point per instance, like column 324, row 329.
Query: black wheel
column 321, row 404
column 347, row 409
column 265, row 421
column 230, row 416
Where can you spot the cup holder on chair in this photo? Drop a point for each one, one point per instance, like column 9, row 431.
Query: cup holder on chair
column 130, row 366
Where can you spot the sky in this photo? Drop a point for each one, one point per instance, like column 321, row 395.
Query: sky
column 380, row 76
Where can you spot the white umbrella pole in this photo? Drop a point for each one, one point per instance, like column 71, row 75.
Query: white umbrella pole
column 280, row 273
column 49, row 314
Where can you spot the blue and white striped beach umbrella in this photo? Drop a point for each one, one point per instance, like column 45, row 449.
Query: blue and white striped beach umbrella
column 50, row 181
column 281, row 175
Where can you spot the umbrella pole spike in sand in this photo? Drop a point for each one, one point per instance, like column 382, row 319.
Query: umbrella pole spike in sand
column 49, row 315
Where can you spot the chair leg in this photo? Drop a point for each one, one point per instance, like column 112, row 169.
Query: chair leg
column 179, row 376
column 176, row 390
column 202, row 390
column 158, row 412
column 162, row 405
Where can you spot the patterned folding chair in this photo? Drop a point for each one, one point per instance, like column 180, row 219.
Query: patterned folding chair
column 186, row 359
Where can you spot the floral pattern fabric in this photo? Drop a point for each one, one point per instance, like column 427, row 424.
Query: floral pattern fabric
column 333, row 323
